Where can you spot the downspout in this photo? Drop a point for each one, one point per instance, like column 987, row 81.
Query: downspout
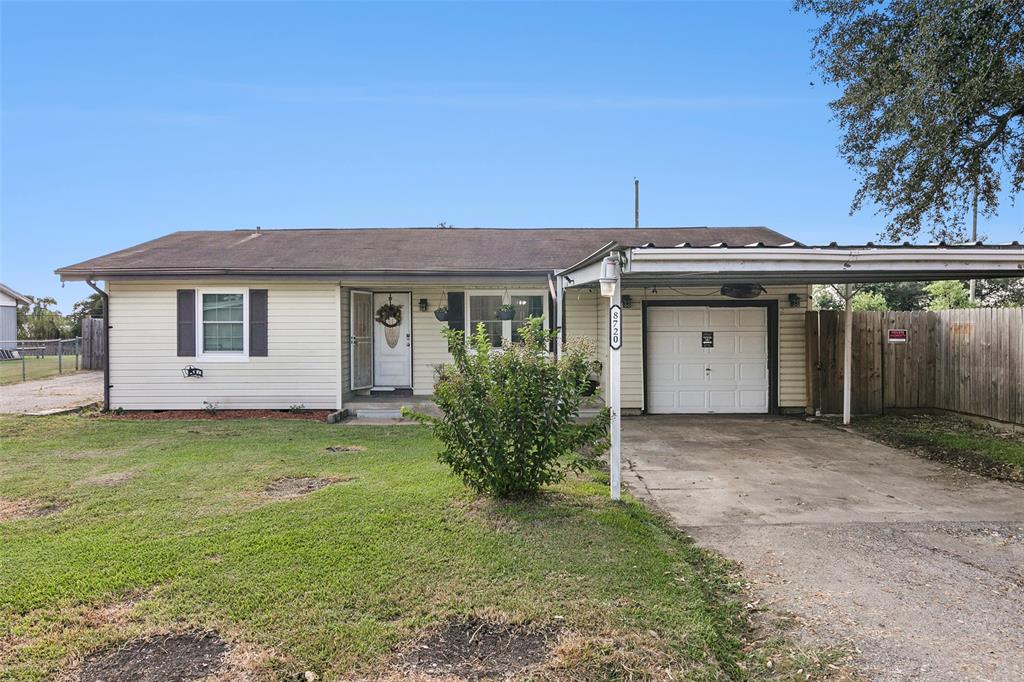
column 106, row 343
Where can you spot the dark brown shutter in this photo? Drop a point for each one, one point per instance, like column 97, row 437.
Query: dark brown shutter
column 456, row 310
column 186, row 323
column 258, row 323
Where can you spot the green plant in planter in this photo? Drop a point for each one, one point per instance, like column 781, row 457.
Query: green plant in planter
column 506, row 311
column 509, row 419
column 441, row 313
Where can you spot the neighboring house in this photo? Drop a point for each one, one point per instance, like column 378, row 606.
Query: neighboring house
column 9, row 300
column 275, row 318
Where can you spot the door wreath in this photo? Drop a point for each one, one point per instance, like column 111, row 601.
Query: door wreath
column 389, row 316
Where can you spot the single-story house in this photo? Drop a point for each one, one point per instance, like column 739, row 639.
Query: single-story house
column 9, row 301
column 712, row 318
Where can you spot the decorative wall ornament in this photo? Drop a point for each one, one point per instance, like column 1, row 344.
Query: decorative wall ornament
column 389, row 316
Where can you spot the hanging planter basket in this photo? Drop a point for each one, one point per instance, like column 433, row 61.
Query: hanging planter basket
column 506, row 311
column 441, row 314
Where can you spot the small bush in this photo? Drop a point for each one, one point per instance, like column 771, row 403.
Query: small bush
column 510, row 417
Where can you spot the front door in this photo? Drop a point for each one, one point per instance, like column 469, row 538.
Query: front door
column 392, row 340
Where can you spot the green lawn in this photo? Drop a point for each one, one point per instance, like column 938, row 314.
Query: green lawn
column 35, row 368
column 952, row 439
column 166, row 527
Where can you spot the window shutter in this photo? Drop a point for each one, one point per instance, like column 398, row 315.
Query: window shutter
column 457, row 310
column 186, row 323
column 258, row 323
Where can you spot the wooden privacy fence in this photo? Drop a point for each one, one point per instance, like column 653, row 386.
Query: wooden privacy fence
column 969, row 361
column 93, row 329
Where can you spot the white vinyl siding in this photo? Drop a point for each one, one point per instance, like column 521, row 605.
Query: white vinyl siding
column 587, row 315
column 301, row 366
column 308, row 333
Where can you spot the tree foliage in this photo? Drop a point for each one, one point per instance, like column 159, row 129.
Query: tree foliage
column 91, row 306
column 509, row 419
column 1001, row 293
column 39, row 319
column 948, row 295
column 932, row 104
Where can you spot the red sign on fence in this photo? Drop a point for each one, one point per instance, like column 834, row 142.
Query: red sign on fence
column 897, row 335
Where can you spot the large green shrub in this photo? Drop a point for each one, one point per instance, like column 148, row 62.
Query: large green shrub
column 509, row 419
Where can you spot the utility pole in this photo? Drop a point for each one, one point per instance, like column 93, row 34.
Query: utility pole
column 636, row 203
column 974, row 233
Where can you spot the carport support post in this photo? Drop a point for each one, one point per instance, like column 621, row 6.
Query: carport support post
column 615, row 394
column 847, row 352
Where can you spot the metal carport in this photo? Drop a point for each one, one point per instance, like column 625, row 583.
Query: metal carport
column 615, row 266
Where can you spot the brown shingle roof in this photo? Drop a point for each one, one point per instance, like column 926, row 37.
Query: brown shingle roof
column 385, row 250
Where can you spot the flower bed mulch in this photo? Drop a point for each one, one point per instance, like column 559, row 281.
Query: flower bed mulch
column 316, row 415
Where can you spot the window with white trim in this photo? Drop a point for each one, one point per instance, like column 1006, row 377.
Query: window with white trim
column 483, row 307
column 222, row 317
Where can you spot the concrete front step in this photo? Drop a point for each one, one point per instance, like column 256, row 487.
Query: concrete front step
column 389, row 409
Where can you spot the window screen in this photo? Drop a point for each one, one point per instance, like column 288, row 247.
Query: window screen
column 526, row 307
column 223, row 323
column 485, row 309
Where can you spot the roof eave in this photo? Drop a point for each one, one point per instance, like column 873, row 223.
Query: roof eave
column 69, row 275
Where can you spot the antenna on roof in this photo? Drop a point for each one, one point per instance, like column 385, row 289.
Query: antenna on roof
column 636, row 202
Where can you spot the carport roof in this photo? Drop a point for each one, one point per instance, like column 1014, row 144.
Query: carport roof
column 792, row 262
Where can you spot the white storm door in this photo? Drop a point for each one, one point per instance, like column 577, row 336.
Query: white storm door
column 707, row 359
column 392, row 346
column 361, row 339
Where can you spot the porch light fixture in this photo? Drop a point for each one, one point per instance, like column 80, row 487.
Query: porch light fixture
column 750, row 290
column 609, row 276
column 423, row 305
column 627, row 301
column 794, row 300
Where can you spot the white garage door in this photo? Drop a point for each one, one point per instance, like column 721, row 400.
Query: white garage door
column 704, row 360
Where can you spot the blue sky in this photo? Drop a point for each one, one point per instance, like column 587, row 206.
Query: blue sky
column 123, row 122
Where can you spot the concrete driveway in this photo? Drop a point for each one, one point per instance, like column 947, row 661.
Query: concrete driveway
column 917, row 566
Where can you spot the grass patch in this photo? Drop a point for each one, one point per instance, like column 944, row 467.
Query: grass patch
column 342, row 580
column 965, row 444
column 35, row 368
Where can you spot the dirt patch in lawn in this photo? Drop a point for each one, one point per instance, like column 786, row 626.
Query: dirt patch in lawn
column 284, row 488
column 345, row 448
column 476, row 649
column 315, row 415
column 16, row 510
column 162, row 658
column 114, row 478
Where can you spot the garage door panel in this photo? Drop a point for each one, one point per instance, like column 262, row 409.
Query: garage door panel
column 662, row 345
column 689, row 373
column 752, row 344
column 722, row 401
column 722, row 317
column 752, row 401
column 721, row 373
column 726, row 345
column 752, row 373
column 685, row 377
column 752, row 317
column 675, row 319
